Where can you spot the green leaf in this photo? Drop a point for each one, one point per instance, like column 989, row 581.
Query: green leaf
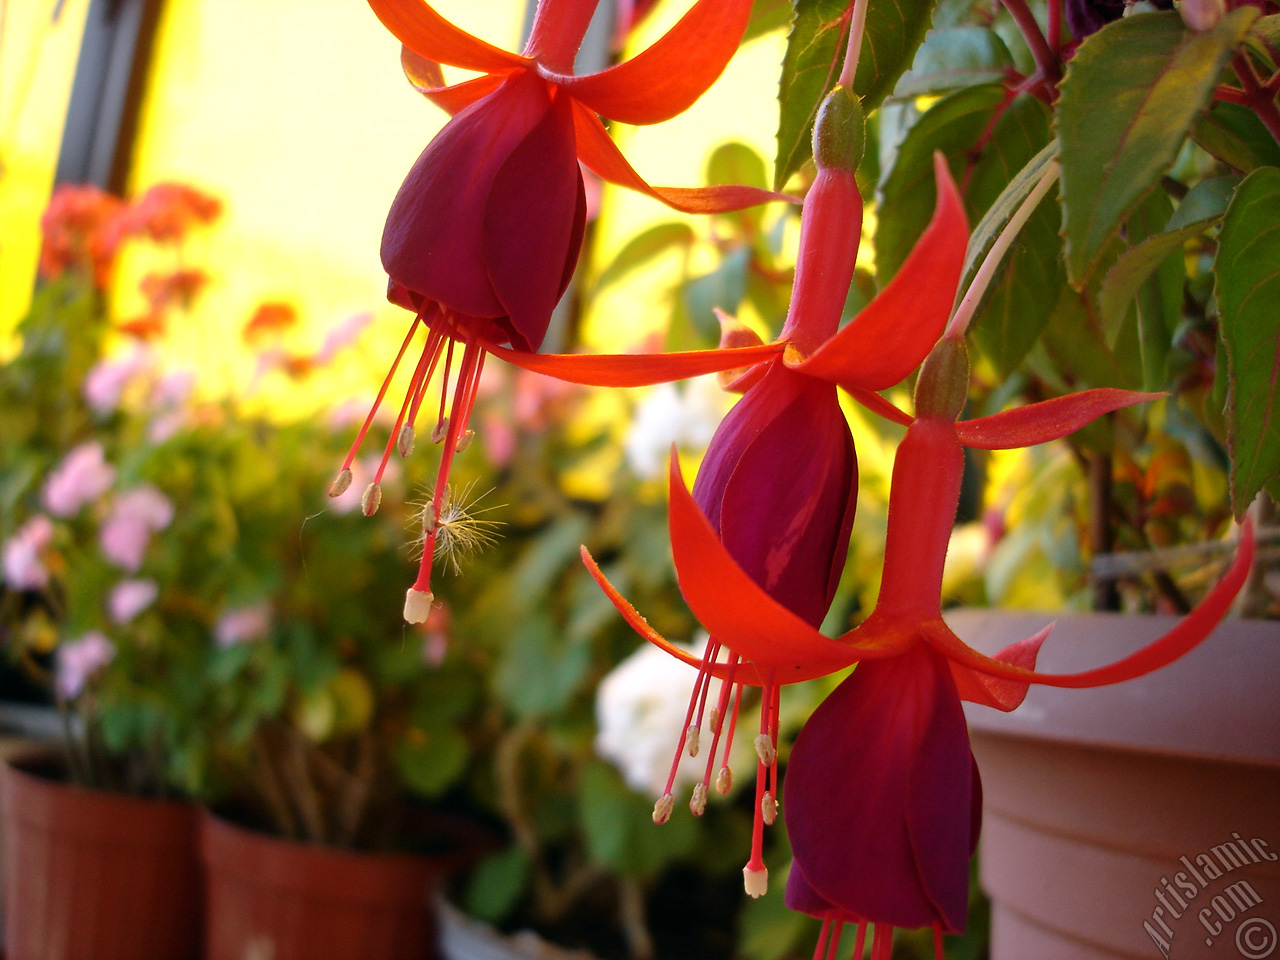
column 1154, row 78
column 431, row 763
column 1022, row 296
column 643, row 248
column 905, row 203
column 541, row 669
column 1247, row 271
column 956, row 57
column 815, row 51
column 766, row 17
column 497, row 883
column 618, row 828
column 1200, row 209
column 810, row 68
column 1236, row 136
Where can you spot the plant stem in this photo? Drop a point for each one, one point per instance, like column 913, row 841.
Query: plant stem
column 982, row 279
column 857, row 27
column 1046, row 59
column 1259, row 97
column 1106, row 596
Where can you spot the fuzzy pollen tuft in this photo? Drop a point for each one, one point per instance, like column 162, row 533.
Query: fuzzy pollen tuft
column 755, row 880
column 440, row 430
column 691, row 739
column 371, row 500
column 404, row 442
column 340, row 483
column 417, row 605
column 698, row 802
column 768, row 809
column 765, row 749
column 662, row 809
column 724, row 781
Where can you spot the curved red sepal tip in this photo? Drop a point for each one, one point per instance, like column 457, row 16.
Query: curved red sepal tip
column 742, row 616
column 666, row 78
column 601, row 155
column 1047, row 420
column 426, row 77
column 908, row 316
column 415, row 24
column 1191, row 630
column 632, row 369
column 1001, row 694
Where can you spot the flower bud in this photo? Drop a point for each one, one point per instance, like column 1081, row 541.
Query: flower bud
column 839, row 133
column 943, row 384
column 1201, row 15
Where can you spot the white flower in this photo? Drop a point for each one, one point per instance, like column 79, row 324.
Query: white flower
column 640, row 715
column 668, row 414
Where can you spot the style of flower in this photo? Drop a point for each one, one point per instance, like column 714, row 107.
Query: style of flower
column 79, row 660
column 81, row 477
column 24, row 569
column 133, row 517
column 483, row 236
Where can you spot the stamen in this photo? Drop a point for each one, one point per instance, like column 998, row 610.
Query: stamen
column 417, row 605
column 341, row 483
column 765, row 749
column 937, row 942
column 716, row 717
column 861, row 940
column 404, row 444
column 464, row 441
column 698, row 803
column 819, row 951
column 882, row 942
column 382, row 392
column 371, row 500
column 691, row 739
column 440, row 430
column 662, row 809
column 769, row 809
column 724, row 781
column 837, row 928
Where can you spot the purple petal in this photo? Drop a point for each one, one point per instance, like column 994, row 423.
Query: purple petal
column 880, row 790
column 533, row 221
column 433, row 243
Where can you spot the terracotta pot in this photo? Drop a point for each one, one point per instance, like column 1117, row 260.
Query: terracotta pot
column 91, row 875
column 267, row 897
column 1138, row 820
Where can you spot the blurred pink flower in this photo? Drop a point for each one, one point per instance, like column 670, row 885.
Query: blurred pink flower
column 130, row 597
column 366, row 467
column 23, row 568
column 435, row 634
column 83, row 475
column 134, row 516
column 79, row 660
column 106, row 382
column 342, row 335
column 241, row 625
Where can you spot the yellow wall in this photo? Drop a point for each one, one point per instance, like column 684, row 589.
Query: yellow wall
column 37, row 65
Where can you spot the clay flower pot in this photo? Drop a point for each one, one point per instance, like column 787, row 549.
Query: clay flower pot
column 1140, row 820
column 92, row 875
column 271, row 897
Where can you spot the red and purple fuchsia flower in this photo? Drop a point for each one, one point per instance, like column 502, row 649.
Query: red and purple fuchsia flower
column 883, row 797
column 484, row 234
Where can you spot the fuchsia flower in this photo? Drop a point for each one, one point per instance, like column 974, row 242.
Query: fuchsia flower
column 883, row 799
column 483, row 236
column 23, row 567
column 129, row 598
column 79, row 660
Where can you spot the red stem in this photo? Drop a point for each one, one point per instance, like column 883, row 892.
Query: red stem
column 558, row 29
column 1046, row 59
column 1258, row 96
column 1055, row 25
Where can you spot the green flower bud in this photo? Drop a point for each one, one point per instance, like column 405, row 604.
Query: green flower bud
column 943, row 384
column 839, row 133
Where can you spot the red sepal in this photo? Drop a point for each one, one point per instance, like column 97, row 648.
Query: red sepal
column 427, row 78
column 1046, row 420
column 666, row 79
column 415, row 24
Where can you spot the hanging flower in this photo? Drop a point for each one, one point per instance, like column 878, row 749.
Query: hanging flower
column 483, row 236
